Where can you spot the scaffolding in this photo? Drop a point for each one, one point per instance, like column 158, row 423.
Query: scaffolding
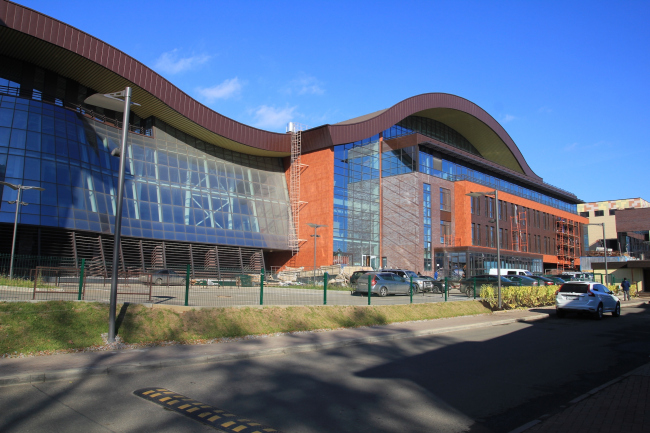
column 294, row 184
column 567, row 240
column 519, row 230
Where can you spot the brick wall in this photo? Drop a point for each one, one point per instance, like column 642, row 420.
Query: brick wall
column 402, row 238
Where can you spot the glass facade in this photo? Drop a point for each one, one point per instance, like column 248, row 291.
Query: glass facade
column 356, row 200
column 426, row 208
column 454, row 172
column 176, row 186
column 407, row 160
column 431, row 128
column 470, row 263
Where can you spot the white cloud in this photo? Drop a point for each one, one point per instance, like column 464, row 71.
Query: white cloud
column 508, row 118
column 273, row 117
column 225, row 90
column 571, row 147
column 172, row 63
column 545, row 110
column 305, row 85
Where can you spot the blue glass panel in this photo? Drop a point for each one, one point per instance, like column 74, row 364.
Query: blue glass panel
column 15, row 166
column 6, row 117
column 64, row 194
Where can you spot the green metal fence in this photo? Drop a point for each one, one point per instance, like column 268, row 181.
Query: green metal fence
column 56, row 278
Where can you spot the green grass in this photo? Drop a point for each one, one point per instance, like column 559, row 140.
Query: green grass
column 21, row 282
column 66, row 326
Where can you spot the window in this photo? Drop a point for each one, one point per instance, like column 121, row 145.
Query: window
column 445, row 199
column 585, row 214
column 490, row 207
column 611, row 212
column 475, row 204
column 491, row 238
column 473, row 233
column 445, row 232
column 426, row 194
column 599, row 213
column 384, row 262
column 501, row 238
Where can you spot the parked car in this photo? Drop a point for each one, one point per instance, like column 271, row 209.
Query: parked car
column 543, row 281
column 521, row 280
column 383, row 284
column 508, row 272
column 437, row 285
column 466, row 285
column 557, row 280
column 420, row 284
column 163, row 277
column 355, row 276
column 576, row 276
column 582, row 296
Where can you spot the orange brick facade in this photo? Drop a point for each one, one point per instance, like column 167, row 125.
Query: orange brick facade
column 464, row 218
column 317, row 190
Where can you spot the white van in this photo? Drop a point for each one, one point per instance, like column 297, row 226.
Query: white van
column 506, row 272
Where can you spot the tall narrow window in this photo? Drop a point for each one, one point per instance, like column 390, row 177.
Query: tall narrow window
column 445, row 232
column 445, row 199
column 426, row 198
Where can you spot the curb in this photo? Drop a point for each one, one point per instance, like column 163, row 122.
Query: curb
column 76, row 373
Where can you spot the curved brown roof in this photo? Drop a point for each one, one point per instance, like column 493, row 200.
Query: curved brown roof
column 39, row 39
column 470, row 120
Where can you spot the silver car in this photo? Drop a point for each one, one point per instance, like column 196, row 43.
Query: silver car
column 584, row 296
column 163, row 277
column 383, row 283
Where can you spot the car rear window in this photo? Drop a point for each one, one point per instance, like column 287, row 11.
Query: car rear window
column 574, row 288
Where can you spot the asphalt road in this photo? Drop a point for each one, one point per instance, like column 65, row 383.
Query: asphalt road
column 483, row 380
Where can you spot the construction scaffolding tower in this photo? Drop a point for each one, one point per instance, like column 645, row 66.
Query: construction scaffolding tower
column 294, row 184
column 519, row 230
column 567, row 240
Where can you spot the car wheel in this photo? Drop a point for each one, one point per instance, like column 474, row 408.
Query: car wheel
column 383, row 292
column 599, row 312
column 469, row 291
column 560, row 313
column 416, row 289
column 158, row 281
column 617, row 310
column 436, row 289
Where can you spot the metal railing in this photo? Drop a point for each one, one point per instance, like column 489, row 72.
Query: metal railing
column 37, row 95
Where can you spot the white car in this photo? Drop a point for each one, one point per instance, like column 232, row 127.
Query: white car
column 591, row 297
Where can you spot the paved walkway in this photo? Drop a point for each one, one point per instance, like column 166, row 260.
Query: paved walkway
column 618, row 406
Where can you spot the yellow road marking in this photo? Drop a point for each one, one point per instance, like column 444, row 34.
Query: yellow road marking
column 201, row 412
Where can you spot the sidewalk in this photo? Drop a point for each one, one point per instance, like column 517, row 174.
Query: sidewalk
column 619, row 406
column 76, row 365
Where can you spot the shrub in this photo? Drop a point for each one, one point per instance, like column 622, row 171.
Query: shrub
column 519, row 296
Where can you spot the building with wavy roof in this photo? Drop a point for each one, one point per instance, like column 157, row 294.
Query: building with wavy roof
column 390, row 187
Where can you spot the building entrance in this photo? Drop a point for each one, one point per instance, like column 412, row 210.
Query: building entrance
column 371, row 261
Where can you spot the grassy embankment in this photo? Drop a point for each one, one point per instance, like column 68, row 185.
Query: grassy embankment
column 48, row 327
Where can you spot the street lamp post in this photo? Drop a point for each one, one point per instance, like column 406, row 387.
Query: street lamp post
column 20, row 189
column 315, row 227
column 494, row 193
column 112, row 101
column 604, row 247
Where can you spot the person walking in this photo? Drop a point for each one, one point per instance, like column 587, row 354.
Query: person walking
column 625, row 285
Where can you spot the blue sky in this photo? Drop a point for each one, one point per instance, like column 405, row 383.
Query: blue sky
column 567, row 80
